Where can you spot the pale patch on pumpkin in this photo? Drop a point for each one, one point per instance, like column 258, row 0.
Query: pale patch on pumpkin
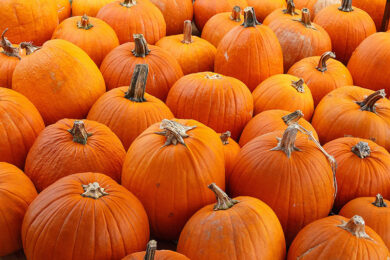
column 226, row 56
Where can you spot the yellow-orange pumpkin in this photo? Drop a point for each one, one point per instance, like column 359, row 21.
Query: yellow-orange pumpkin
column 88, row 7
column 264, row 7
column 64, row 9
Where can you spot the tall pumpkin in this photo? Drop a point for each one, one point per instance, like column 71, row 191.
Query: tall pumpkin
column 172, row 163
column 152, row 253
column 250, row 52
column 281, row 13
column 265, row 7
column 84, row 216
column 88, row 7
column 375, row 8
column 64, row 9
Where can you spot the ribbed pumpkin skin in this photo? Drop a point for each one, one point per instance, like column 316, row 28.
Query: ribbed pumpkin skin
column 16, row 193
column 375, row 8
column 159, row 255
column 321, row 83
column 89, row 40
column 230, row 150
column 267, row 122
column 126, row 118
column 64, row 9
column 315, row 6
column 7, row 67
column 322, row 4
column 60, row 80
column 359, row 177
column 78, row 227
column 175, row 176
column 224, row 103
column 142, row 18
column 277, row 92
column 280, row 14
column 164, row 70
column 323, row 240
column 248, row 230
column 55, row 154
column 265, row 7
column 88, row 7
column 20, row 125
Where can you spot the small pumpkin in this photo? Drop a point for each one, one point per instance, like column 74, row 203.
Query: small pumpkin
column 64, row 9
column 315, row 6
column 265, row 7
column 375, row 8
column 152, row 253
column 230, row 149
column 88, row 7
column 282, row 13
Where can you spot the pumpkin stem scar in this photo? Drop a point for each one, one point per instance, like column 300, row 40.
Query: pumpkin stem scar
column 292, row 117
column 213, row 76
column 187, row 32
column 223, row 200
column 324, row 58
column 236, row 12
column 137, row 87
column 84, row 23
column 379, row 201
column 298, row 85
column 7, row 47
column 290, row 8
column 305, row 19
column 225, row 137
column 174, row 132
column 128, row 3
column 93, row 190
column 356, row 226
column 362, row 150
column 250, row 18
column 151, row 248
column 346, row 6
column 79, row 133
column 30, row 47
column 140, row 46
column 369, row 103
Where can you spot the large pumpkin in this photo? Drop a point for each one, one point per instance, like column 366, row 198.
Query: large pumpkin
column 375, row 8
column 172, row 163
column 119, row 64
column 84, row 216
column 250, row 52
column 230, row 149
column 315, row 6
column 282, row 13
column 265, row 7
column 64, row 9
column 70, row 146
column 152, row 253
column 16, row 193
column 88, row 7
column 239, row 228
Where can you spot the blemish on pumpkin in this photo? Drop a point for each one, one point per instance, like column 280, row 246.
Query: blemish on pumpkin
column 170, row 215
column 226, row 56
column 58, row 84
column 157, row 185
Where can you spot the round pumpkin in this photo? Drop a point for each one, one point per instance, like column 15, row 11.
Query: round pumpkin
column 16, row 194
column 315, row 6
column 71, row 146
column 322, row 74
column 375, row 8
column 88, row 7
column 239, row 228
column 64, row 9
column 128, row 17
column 265, row 7
column 340, row 238
column 152, row 253
column 282, row 13
column 230, row 149
column 84, row 216
column 250, row 52
column 118, row 66
column 284, row 92
column 172, row 163
column 220, row 102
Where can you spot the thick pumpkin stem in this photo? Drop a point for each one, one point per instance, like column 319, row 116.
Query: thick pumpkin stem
column 29, row 47
column 150, row 250
column 346, row 6
column 7, row 47
column 355, row 226
column 386, row 17
column 140, row 46
column 128, row 3
column 290, row 8
column 93, row 190
column 250, row 17
column 223, row 200
column 298, row 85
column 368, row 104
column 84, row 23
column 225, row 137
column 287, row 142
column 79, row 133
column 292, row 117
column 187, row 32
column 137, row 87
column 379, row 201
column 305, row 19
column 174, row 132
column 236, row 14
column 324, row 58
column 362, row 149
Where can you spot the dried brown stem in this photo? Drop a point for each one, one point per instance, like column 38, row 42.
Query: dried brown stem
column 187, row 32
column 287, row 142
column 290, row 8
column 84, row 23
column 29, row 47
column 93, row 190
column 236, row 14
column 79, row 132
column 7, row 47
column 137, row 87
column 305, row 19
column 362, row 150
column 368, row 104
column 225, row 137
column 379, row 201
column 250, row 18
column 223, row 200
column 298, row 85
column 324, row 58
column 140, row 46
column 346, row 6
column 292, row 117
column 174, row 132
column 128, row 3
column 150, row 250
column 356, row 227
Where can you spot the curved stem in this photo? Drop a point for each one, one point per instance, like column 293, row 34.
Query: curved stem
column 93, row 190
column 287, row 142
column 174, row 132
column 225, row 137
column 368, row 104
column 379, row 201
column 140, row 46
column 356, row 227
column 223, row 200
column 362, row 150
column 292, row 117
column 298, row 85
column 79, row 133
column 346, row 6
column 84, row 23
column 136, row 90
column 250, row 18
column 7, row 47
column 29, row 47
column 324, row 58
column 187, row 32
column 290, row 8
column 150, row 250
column 236, row 14
column 128, row 3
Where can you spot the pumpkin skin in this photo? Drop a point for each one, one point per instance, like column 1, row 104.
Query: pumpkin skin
column 324, row 239
column 152, row 253
column 315, row 6
column 340, row 109
column 118, row 219
column 102, row 152
column 138, row 16
column 64, row 9
column 88, row 7
column 375, row 8
column 16, row 193
column 230, row 149
column 265, row 7
column 282, row 13
column 153, row 172
column 220, row 102
column 322, row 74
column 60, row 80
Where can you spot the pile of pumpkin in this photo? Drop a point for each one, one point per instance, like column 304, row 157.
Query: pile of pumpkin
column 119, row 125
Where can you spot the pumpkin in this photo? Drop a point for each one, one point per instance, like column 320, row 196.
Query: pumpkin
column 194, row 54
column 353, row 111
column 87, row 32
column 375, row 211
column 128, row 107
column 128, row 17
column 322, row 74
column 230, row 149
column 71, row 146
column 282, row 13
column 64, row 9
column 152, row 253
column 363, row 169
column 220, row 24
column 205, row 9
column 337, row 237
column 265, row 7
column 172, row 163
column 289, row 173
column 88, row 7
column 220, row 102
column 239, row 228
column 284, row 92
column 84, row 216
column 375, row 8
column 118, row 66
column 300, row 38
column 16, row 193
column 175, row 13
column 315, row 6
column 271, row 121
column 60, row 80
column 238, row 54
column 33, row 20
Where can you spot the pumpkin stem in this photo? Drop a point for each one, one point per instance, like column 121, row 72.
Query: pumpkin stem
column 290, row 8
column 174, row 132
column 140, row 46
column 324, row 58
column 386, row 17
column 151, row 250
column 287, row 142
column 362, row 150
column 128, row 3
column 79, row 133
column 84, row 23
column 213, row 76
column 368, row 104
column 225, row 137
column 187, row 32
column 29, row 47
column 379, row 201
column 346, row 6
column 136, row 90
column 292, row 117
column 7, row 47
column 236, row 14
column 305, row 19
column 298, row 85
column 250, row 18
column 355, row 226
column 93, row 190
column 223, row 200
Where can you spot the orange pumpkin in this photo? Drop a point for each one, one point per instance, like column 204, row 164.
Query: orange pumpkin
column 84, row 216
column 284, row 92
column 88, row 7
column 119, row 64
column 128, row 17
column 220, row 102
column 239, row 228
column 282, row 13
column 337, row 237
column 315, row 6
column 238, row 54
column 154, row 170
column 322, row 74
column 375, row 8
column 152, row 253
column 230, row 149
column 70, row 146
column 64, row 9
column 265, row 7
column 16, row 193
